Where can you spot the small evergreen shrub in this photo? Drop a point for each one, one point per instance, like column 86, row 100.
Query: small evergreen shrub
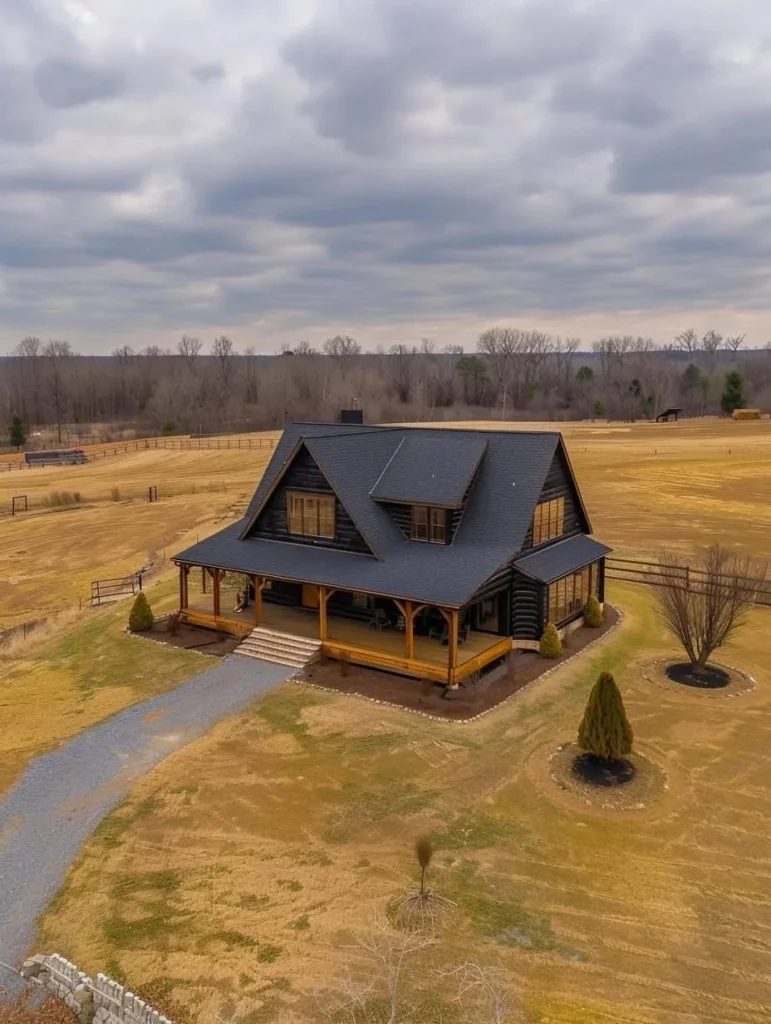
column 605, row 731
column 141, row 617
column 593, row 613
column 173, row 623
column 551, row 645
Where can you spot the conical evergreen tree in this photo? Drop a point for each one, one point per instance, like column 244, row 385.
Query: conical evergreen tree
column 605, row 730
column 550, row 645
column 141, row 617
column 593, row 616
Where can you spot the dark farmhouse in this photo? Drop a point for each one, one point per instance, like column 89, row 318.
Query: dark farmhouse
column 424, row 551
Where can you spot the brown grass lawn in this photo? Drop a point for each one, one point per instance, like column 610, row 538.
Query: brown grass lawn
column 48, row 559
column 89, row 669
column 228, row 883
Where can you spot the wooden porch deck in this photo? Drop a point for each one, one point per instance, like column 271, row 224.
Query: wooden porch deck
column 357, row 642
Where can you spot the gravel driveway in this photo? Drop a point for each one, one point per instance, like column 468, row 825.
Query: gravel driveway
column 62, row 796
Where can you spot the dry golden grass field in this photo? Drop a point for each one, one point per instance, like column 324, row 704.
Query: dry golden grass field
column 226, row 885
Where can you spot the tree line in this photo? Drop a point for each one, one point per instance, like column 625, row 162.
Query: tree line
column 509, row 374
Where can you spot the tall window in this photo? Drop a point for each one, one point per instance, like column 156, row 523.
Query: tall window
column 570, row 594
column 548, row 521
column 311, row 515
column 427, row 523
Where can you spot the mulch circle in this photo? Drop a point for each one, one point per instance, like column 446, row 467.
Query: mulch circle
column 716, row 681
column 710, row 678
column 631, row 784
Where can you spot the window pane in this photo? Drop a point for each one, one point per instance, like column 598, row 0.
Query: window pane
column 327, row 517
column 419, row 523
column 295, row 514
column 437, row 525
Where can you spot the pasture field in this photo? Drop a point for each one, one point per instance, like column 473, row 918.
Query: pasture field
column 49, row 558
column 227, row 886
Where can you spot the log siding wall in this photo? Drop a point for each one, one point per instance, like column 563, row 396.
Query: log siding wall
column 304, row 475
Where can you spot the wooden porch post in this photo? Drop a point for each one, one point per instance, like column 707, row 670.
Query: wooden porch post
column 186, row 584
column 216, row 592
column 204, row 573
column 182, row 586
column 451, row 618
column 323, row 613
column 408, row 611
column 257, row 582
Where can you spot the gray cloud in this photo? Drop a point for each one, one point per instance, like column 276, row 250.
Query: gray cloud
column 66, row 83
column 388, row 163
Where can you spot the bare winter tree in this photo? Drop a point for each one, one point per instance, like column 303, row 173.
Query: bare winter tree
column 733, row 343
column 342, row 346
column 500, row 346
column 55, row 353
column 688, row 342
column 224, row 352
column 384, row 957
column 710, row 344
column 189, row 348
column 484, row 993
column 705, row 604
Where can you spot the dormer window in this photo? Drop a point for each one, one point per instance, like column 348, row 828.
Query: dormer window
column 428, row 524
column 311, row 515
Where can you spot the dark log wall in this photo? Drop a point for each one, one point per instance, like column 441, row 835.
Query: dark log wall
column 305, row 475
column 528, row 608
column 559, row 484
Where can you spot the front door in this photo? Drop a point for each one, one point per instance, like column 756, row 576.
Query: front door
column 310, row 595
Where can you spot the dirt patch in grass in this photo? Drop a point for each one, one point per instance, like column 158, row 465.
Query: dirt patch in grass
column 192, row 638
column 471, row 698
column 630, row 785
column 717, row 681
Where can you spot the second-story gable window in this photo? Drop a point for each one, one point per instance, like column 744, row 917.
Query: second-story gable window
column 311, row 515
column 428, row 524
column 548, row 521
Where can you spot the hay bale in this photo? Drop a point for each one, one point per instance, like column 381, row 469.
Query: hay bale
column 746, row 414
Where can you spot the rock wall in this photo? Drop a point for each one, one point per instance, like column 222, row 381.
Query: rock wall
column 93, row 1001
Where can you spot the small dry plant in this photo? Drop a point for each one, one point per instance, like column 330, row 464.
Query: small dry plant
column 421, row 907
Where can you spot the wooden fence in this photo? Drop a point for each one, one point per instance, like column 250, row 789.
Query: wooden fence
column 183, row 444
column 684, row 577
column 103, row 591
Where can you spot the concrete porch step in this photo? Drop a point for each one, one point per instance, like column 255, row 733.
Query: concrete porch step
column 280, row 648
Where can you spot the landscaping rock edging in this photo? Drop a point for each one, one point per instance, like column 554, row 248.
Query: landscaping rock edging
column 473, row 718
column 102, row 1001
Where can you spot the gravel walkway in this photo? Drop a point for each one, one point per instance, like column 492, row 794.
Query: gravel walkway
column 62, row 796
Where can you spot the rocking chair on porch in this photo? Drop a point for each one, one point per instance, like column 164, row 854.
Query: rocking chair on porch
column 380, row 620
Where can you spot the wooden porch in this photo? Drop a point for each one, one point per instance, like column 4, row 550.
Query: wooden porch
column 347, row 639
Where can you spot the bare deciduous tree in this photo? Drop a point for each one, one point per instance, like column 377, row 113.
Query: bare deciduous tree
column 688, row 341
column 189, row 348
column 224, row 353
column 500, row 345
column 705, row 604
column 484, row 993
column 342, row 346
column 55, row 353
column 387, row 955
column 733, row 343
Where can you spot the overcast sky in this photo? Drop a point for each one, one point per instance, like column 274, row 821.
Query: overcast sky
column 286, row 169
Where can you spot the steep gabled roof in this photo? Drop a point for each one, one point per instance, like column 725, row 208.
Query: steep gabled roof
column 431, row 469
column 508, row 479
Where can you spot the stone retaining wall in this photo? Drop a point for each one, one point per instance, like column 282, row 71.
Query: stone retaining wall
column 93, row 1001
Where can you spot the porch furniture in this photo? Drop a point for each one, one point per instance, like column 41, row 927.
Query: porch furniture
column 380, row 620
column 440, row 632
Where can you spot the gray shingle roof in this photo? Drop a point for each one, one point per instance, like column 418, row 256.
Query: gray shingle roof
column 431, row 469
column 492, row 530
column 557, row 560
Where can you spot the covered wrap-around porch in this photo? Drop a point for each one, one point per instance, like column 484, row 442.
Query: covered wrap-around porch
column 423, row 641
